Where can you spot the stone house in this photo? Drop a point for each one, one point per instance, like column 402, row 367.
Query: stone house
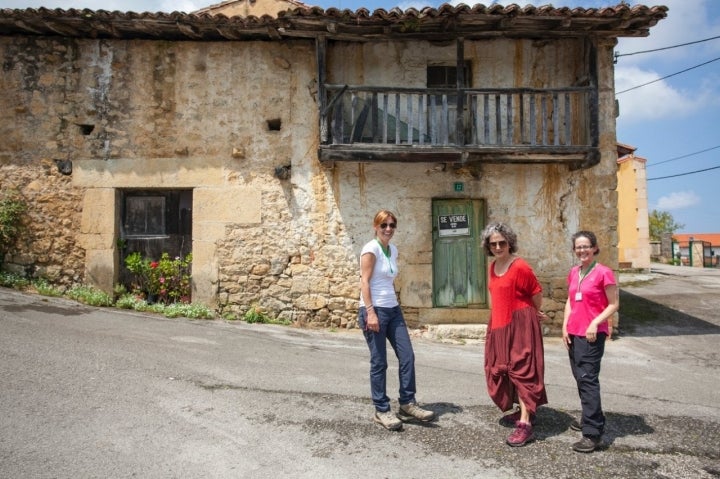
column 265, row 145
column 247, row 8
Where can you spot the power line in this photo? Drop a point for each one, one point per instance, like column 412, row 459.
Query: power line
column 684, row 156
column 683, row 174
column 618, row 55
column 668, row 76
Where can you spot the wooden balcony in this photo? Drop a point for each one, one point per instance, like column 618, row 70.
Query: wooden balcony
column 513, row 125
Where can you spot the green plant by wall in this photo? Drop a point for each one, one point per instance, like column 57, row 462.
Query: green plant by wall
column 89, row 295
column 46, row 289
column 12, row 208
column 255, row 315
column 166, row 280
column 13, row 280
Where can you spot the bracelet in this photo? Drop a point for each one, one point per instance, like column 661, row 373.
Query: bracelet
column 370, row 307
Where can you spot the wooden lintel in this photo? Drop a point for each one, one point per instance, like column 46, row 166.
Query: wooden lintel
column 575, row 158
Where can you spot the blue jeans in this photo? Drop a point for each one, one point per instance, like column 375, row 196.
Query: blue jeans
column 393, row 329
column 585, row 360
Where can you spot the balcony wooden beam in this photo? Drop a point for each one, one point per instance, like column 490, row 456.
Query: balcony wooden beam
column 575, row 157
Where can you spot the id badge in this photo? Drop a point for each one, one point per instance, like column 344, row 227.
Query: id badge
column 578, row 296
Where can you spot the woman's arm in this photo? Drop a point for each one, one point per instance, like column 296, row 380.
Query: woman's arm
column 367, row 265
column 537, row 302
column 566, row 316
column 611, row 292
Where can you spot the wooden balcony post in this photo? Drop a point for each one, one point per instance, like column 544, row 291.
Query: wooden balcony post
column 459, row 116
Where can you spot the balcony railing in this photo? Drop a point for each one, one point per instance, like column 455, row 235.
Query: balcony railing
column 409, row 124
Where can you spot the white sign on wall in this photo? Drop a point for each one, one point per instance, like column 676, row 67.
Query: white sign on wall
column 453, row 225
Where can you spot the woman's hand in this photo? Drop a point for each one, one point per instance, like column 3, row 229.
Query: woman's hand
column 591, row 333
column 566, row 339
column 541, row 316
column 371, row 321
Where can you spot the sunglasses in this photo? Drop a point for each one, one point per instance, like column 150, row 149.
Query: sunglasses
column 498, row 244
column 385, row 225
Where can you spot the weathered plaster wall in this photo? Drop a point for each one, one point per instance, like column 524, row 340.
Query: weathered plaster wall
column 494, row 63
column 545, row 204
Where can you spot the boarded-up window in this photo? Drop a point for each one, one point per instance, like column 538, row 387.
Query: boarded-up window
column 446, row 76
column 145, row 215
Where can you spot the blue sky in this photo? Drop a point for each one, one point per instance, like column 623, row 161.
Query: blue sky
column 667, row 119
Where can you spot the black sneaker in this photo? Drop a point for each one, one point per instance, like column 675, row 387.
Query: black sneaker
column 576, row 425
column 587, row 444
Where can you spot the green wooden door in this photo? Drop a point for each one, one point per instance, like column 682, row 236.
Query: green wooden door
column 459, row 271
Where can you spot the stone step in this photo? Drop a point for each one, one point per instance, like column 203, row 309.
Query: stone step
column 454, row 333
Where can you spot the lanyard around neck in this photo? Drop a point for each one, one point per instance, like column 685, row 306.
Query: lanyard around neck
column 581, row 276
column 386, row 253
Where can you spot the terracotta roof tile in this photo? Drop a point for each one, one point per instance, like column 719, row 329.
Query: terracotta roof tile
column 684, row 238
column 444, row 22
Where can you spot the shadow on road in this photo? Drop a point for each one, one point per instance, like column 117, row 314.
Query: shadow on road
column 641, row 317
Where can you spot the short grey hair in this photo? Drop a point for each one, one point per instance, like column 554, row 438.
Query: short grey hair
column 505, row 231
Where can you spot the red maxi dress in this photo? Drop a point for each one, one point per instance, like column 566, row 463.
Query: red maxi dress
column 514, row 355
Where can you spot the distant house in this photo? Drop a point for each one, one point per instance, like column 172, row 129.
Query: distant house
column 696, row 249
column 248, row 8
column 264, row 144
column 633, row 221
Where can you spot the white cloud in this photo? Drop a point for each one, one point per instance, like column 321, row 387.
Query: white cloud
column 138, row 6
column 682, row 25
column 678, row 200
column 651, row 102
column 186, row 6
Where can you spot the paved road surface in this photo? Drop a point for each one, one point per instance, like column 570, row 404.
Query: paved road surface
column 88, row 392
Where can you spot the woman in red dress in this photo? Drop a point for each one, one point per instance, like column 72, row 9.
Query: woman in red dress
column 514, row 362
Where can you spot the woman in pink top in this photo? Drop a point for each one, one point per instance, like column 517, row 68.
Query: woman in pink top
column 592, row 300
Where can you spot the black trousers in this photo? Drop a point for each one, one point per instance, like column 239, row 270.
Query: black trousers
column 585, row 360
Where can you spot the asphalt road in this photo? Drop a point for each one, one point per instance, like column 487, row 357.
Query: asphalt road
column 89, row 392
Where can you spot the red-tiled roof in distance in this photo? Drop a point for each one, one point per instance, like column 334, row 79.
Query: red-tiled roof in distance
column 684, row 238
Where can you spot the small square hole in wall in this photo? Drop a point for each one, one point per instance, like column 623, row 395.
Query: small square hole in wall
column 275, row 124
column 86, row 129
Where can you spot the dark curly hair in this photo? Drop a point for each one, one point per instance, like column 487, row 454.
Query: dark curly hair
column 586, row 234
column 502, row 229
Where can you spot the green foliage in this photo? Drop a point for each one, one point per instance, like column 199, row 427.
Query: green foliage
column 172, row 310
column 230, row 316
column 195, row 311
column 131, row 301
column 255, row 315
column 166, row 280
column 12, row 208
column 89, row 295
column 13, row 280
column 661, row 223
column 46, row 289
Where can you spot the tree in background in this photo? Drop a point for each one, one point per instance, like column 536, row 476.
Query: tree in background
column 661, row 223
